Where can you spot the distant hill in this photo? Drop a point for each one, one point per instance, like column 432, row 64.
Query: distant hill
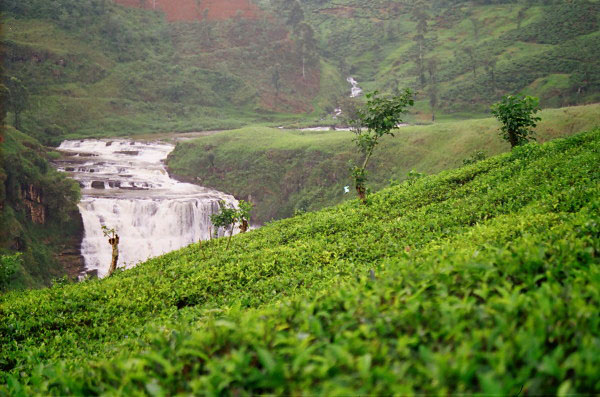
column 96, row 67
column 465, row 54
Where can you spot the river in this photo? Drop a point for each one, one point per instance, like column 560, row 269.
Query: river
column 125, row 186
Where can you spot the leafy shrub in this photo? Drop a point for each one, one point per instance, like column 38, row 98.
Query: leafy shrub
column 8, row 267
column 449, row 285
column 516, row 113
column 475, row 157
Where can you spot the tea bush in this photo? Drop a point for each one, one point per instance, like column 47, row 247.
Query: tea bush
column 482, row 279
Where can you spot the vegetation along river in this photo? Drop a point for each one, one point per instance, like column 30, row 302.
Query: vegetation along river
column 125, row 186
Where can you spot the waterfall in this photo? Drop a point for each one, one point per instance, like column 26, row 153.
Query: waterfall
column 125, row 186
column 356, row 90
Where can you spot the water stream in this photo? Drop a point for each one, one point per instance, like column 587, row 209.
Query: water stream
column 356, row 90
column 125, row 185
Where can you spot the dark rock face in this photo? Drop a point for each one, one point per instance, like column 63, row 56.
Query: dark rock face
column 32, row 200
column 98, row 184
column 69, row 255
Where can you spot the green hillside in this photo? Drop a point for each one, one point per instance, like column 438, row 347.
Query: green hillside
column 481, row 279
column 284, row 171
column 39, row 216
column 95, row 68
column 465, row 54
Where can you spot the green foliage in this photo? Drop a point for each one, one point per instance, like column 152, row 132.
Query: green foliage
column 225, row 218
column 243, row 214
column 475, row 157
column 9, row 264
column 376, row 119
column 26, row 178
column 17, row 98
column 450, row 284
column 517, row 115
column 228, row 217
column 413, row 176
column 108, row 232
column 284, row 170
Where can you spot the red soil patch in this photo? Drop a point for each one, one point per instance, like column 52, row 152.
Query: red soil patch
column 197, row 10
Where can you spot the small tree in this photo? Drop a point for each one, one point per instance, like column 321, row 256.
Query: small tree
column 517, row 115
column 225, row 218
column 228, row 217
column 243, row 215
column 377, row 118
column 9, row 264
column 113, row 240
column 17, row 99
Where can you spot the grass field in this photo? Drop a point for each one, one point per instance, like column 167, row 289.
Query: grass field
column 283, row 171
column 483, row 279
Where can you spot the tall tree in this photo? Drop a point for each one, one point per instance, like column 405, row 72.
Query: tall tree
column 307, row 44
column 17, row 99
column 432, row 92
column 276, row 78
column 489, row 65
column 420, row 16
column 470, row 51
column 477, row 25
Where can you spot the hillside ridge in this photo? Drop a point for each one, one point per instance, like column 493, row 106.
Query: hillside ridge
column 447, row 282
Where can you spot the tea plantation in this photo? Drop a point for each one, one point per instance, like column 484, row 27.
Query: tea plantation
column 482, row 279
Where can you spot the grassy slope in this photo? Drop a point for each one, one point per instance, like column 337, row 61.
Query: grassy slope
column 96, row 95
column 24, row 164
column 543, row 57
column 284, row 170
column 482, row 279
column 110, row 70
column 119, row 71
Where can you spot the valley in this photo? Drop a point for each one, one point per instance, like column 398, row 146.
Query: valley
column 299, row 197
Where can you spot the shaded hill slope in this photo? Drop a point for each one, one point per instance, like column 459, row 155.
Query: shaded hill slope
column 481, row 279
column 38, row 213
column 464, row 53
column 283, row 171
column 96, row 67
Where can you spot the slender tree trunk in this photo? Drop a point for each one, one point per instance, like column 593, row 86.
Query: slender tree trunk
column 362, row 193
column 17, row 120
column 512, row 138
column 114, row 242
column 474, row 66
column 360, row 187
column 421, row 72
column 303, row 69
column 364, row 166
column 229, row 239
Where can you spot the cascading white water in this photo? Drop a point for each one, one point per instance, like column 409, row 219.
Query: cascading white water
column 125, row 186
column 356, row 90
